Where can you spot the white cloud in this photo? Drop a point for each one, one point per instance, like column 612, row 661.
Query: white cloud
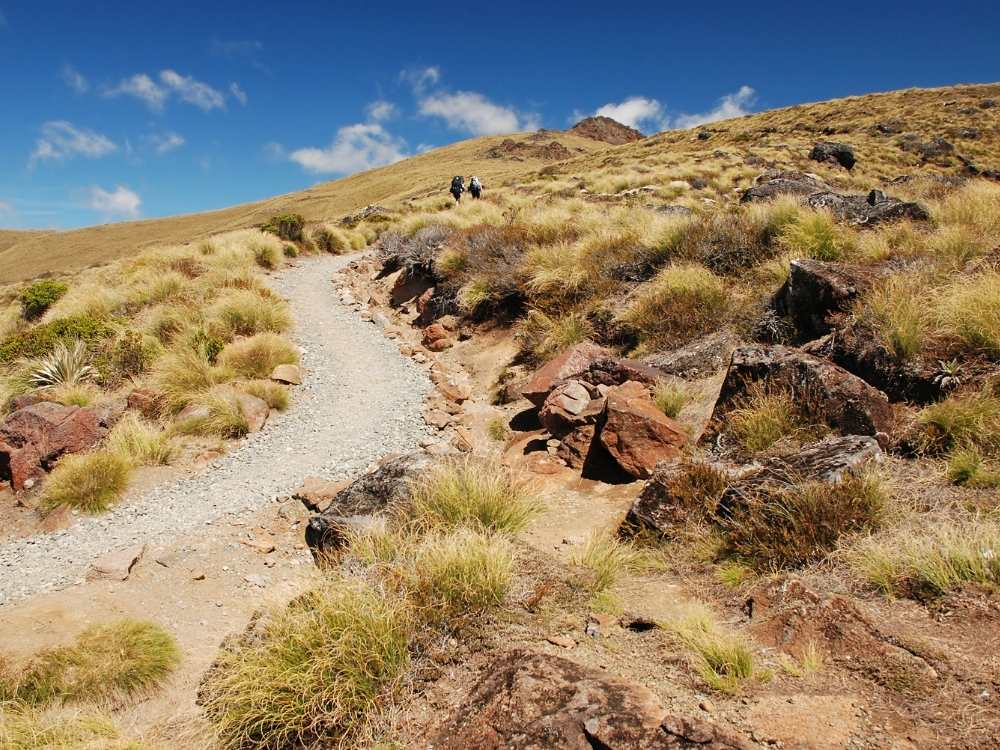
column 62, row 140
column 634, row 112
column 238, row 94
column 164, row 142
column 354, row 148
column 381, row 110
column 729, row 106
column 192, row 91
column 120, row 202
column 74, row 79
column 142, row 87
column 420, row 78
column 472, row 112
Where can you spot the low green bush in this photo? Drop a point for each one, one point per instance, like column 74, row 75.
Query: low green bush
column 286, row 226
column 42, row 339
column 38, row 297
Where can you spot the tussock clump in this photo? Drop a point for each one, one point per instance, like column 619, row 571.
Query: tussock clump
column 968, row 467
column 217, row 414
column 473, row 492
column 763, row 415
column 287, row 227
column 139, row 442
column 608, row 558
column 26, row 728
column 681, row 303
column 110, row 663
column 90, row 482
column 274, row 394
column 725, row 661
column 966, row 419
column 899, row 311
column 541, row 337
column 931, row 560
column 317, row 674
column 816, row 235
column 257, row 356
column 969, row 310
column 670, row 398
column 183, row 374
column 245, row 313
column 801, row 524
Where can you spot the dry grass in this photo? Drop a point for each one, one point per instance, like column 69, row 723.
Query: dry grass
column 670, row 398
column 140, row 442
column 725, row 661
column 816, row 235
column 183, row 374
column 969, row 310
column 90, row 482
column 274, row 394
column 218, row 414
column 543, row 337
column 245, row 313
column 26, row 728
column 318, row 675
column 608, row 559
column 257, row 356
column 965, row 419
column 113, row 663
column 473, row 492
column 761, row 417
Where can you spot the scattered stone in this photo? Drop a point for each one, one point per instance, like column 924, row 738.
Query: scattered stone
column 33, row 438
column 145, row 401
column 569, row 407
column 455, row 392
column 833, row 395
column 563, row 641
column 528, row 701
column 817, row 295
column 254, row 410
column 774, row 183
column 636, row 433
column 566, row 366
column 437, row 418
column 116, row 566
column 316, row 493
column 834, row 153
column 290, row 374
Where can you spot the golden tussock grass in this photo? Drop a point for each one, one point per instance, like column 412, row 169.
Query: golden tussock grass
column 90, row 482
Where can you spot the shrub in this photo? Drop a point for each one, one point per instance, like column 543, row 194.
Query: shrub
column 67, row 366
column 245, row 313
column 497, row 429
column 38, row 297
column 275, row 394
column 287, row 227
column 931, row 560
column 472, row 492
column 961, row 420
column 670, row 399
column 816, row 235
column 290, row 251
column 557, row 273
column 543, row 337
column 725, row 660
column 139, row 442
column 42, row 339
column 609, row 558
column 90, row 482
column 317, row 675
column 457, row 574
column 131, row 355
column 798, row 525
column 113, row 662
column 257, row 356
column 681, row 303
column 969, row 310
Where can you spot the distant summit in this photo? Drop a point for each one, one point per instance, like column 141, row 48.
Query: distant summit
column 607, row 130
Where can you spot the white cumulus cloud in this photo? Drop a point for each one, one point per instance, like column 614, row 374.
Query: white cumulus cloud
column 354, row 148
column 238, row 94
column 420, row 78
column 474, row 113
column 63, row 140
column 120, row 202
column 192, row 91
column 74, row 79
column 164, row 142
column 635, row 112
column 381, row 110
column 729, row 106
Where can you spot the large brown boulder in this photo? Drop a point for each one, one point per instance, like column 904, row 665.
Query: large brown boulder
column 533, row 701
column 570, row 405
column 831, row 393
column 33, row 438
column 566, row 366
column 605, row 129
column 636, row 433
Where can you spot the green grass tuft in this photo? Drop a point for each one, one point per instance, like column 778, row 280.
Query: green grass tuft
column 90, row 482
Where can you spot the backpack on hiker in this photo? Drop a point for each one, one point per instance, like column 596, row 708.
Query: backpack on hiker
column 475, row 187
column 457, row 187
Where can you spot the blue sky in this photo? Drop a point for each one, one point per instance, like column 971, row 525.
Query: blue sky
column 113, row 111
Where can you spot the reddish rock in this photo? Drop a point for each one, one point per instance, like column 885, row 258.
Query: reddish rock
column 530, row 701
column 145, row 401
column 455, row 392
column 33, row 438
column 423, row 302
column 254, row 410
column 574, row 448
column 606, row 129
column 831, row 393
column 116, row 566
column 27, row 399
column 568, row 407
column 540, row 462
column 636, row 433
column 436, row 337
column 566, row 366
column 316, row 494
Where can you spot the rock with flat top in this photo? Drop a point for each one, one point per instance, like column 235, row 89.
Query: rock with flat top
column 288, row 374
column 316, row 493
column 116, row 566
column 566, row 366
column 636, row 433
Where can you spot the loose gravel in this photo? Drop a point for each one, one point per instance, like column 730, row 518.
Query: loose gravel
column 360, row 400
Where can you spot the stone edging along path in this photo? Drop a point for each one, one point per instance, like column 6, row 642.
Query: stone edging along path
column 360, row 399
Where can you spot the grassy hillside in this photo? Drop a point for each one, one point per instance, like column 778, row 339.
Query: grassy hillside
column 24, row 255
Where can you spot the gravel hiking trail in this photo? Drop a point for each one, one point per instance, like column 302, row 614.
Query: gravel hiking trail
column 360, row 399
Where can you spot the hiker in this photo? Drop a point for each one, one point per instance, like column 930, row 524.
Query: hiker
column 475, row 187
column 457, row 188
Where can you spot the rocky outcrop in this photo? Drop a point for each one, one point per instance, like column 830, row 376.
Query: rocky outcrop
column 636, row 433
column 530, row 701
column 569, row 406
column 519, row 150
column 774, row 183
column 672, row 494
column 607, row 130
column 817, row 295
column 833, row 153
column 861, row 210
column 830, row 393
column 33, row 438
column 699, row 359
column 566, row 366
column 931, row 150
column 386, row 486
